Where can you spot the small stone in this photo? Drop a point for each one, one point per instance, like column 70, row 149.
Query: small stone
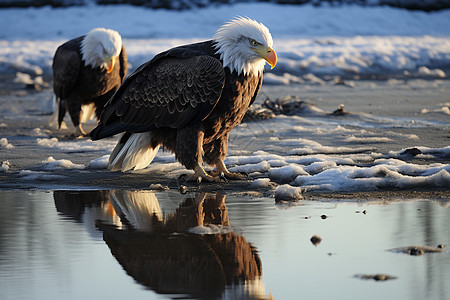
column 315, row 240
column 376, row 277
column 183, row 189
column 340, row 110
column 415, row 251
column 379, row 277
column 412, row 151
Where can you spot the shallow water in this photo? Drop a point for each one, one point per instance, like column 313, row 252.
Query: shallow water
column 140, row 244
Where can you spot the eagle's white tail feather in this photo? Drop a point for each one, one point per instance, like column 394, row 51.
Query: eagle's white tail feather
column 136, row 153
column 87, row 112
column 53, row 122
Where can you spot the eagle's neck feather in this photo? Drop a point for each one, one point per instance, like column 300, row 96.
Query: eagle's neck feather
column 235, row 61
column 231, row 43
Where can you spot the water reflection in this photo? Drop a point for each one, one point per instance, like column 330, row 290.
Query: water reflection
column 155, row 247
column 65, row 253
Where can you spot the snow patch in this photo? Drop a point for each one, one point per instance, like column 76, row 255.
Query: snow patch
column 51, row 164
column 287, row 192
column 99, row 163
column 29, row 175
column 5, row 144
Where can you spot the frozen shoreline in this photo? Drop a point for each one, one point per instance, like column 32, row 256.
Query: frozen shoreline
column 369, row 140
column 394, row 136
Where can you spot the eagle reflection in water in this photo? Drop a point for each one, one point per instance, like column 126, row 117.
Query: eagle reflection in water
column 158, row 250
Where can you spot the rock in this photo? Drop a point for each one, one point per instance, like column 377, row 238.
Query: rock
column 419, row 250
column 411, row 151
column 340, row 111
column 315, row 240
column 376, row 277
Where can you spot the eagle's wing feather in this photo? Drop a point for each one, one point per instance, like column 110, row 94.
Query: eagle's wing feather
column 173, row 92
column 66, row 67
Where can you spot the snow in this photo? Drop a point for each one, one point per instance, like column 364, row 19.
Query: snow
column 29, row 175
column 311, row 42
column 5, row 144
column 51, row 164
column 286, row 192
column 99, row 163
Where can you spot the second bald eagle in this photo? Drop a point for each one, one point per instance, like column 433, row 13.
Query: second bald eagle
column 188, row 99
column 87, row 70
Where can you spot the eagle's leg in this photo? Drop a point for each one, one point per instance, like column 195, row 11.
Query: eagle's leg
column 76, row 114
column 79, row 131
column 192, row 157
column 215, row 153
column 199, row 172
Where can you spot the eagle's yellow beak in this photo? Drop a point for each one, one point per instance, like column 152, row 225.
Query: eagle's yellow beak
column 110, row 62
column 268, row 54
column 271, row 57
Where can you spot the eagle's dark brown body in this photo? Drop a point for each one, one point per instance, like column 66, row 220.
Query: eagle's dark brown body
column 214, row 129
column 76, row 84
column 186, row 99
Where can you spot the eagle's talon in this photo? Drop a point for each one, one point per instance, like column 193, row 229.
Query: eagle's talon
column 244, row 174
column 74, row 136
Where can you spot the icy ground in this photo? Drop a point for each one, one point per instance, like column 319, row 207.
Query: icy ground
column 395, row 136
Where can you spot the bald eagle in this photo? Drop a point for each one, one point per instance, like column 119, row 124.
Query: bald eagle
column 188, row 99
column 87, row 70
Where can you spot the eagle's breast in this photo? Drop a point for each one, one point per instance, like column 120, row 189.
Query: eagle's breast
column 96, row 81
column 230, row 110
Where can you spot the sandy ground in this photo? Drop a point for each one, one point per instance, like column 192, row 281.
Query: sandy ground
column 393, row 99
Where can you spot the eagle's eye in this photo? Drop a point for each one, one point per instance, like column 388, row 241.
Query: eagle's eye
column 253, row 42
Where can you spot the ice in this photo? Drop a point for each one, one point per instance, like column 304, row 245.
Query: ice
column 367, row 140
column 51, row 164
column 50, row 143
column 424, row 71
column 35, row 175
column 75, row 146
column 99, row 163
column 5, row 144
column 287, row 173
column 263, row 166
column 287, row 192
column 443, row 110
column 261, row 182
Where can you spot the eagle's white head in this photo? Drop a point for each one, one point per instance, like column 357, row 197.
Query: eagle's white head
column 100, row 48
column 245, row 45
